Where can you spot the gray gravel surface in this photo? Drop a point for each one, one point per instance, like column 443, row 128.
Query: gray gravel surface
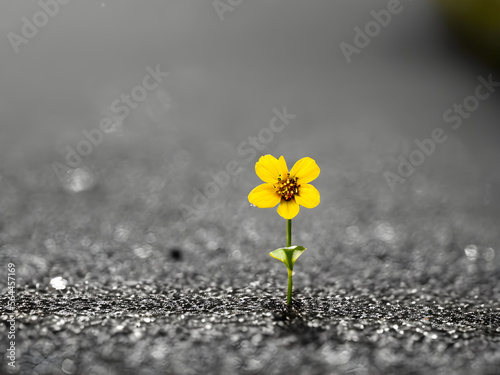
column 391, row 283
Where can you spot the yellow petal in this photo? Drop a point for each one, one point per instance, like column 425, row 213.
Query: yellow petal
column 288, row 209
column 268, row 168
column 282, row 165
column 308, row 196
column 264, row 196
column 305, row 170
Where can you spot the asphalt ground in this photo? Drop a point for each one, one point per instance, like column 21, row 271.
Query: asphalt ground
column 402, row 282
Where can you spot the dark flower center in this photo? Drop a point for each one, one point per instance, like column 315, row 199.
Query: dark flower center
column 287, row 188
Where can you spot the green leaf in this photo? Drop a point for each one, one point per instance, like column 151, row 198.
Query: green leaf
column 288, row 255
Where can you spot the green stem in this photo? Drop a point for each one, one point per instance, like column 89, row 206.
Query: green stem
column 290, row 287
column 290, row 272
column 289, row 233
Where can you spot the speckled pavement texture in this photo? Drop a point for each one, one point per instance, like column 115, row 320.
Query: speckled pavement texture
column 391, row 283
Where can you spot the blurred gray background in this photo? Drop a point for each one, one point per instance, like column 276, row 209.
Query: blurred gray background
column 227, row 72
column 227, row 76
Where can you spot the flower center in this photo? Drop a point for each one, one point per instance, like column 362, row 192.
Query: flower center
column 287, row 188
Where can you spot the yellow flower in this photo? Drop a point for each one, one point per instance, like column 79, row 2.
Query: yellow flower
column 290, row 189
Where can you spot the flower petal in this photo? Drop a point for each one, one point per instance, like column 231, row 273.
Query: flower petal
column 268, row 168
column 264, row 196
column 305, row 170
column 308, row 196
column 282, row 165
column 288, row 209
